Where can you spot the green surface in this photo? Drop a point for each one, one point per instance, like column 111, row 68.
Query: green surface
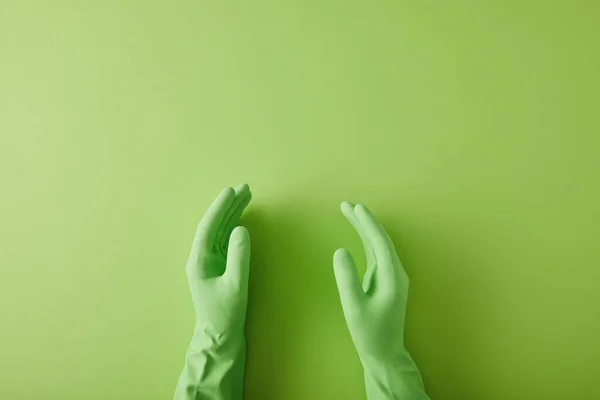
column 470, row 128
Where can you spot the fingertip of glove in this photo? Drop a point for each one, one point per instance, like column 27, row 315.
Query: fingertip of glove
column 239, row 235
column 341, row 257
column 346, row 206
column 228, row 192
column 363, row 211
column 361, row 208
column 243, row 187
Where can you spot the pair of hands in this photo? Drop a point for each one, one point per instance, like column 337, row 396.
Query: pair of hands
column 219, row 263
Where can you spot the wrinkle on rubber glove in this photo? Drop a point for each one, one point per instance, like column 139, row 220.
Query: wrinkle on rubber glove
column 375, row 310
column 217, row 271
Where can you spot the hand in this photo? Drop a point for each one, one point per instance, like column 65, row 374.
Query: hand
column 218, row 265
column 374, row 312
column 217, row 271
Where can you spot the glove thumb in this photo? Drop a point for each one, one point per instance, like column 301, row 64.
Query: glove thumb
column 238, row 258
column 347, row 280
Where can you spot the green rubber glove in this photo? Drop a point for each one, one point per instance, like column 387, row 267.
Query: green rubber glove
column 217, row 270
column 375, row 311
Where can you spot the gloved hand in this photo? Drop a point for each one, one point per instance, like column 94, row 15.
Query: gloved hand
column 375, row 311
column 217, row 270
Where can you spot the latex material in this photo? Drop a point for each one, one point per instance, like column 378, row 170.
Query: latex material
column 217, row 271
column 375, row 311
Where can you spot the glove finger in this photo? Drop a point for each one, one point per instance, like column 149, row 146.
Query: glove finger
column 238, row 259
column 210, row 222
column 234, row 220
column 241, row 192
column 350, row 214
column 385, row 251
column 347, row 280
column 348, row 211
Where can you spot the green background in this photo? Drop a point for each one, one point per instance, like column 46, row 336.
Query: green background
column 470, row 128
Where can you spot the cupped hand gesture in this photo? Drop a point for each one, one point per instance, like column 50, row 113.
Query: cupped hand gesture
column 218, row 265
column 374, row 311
